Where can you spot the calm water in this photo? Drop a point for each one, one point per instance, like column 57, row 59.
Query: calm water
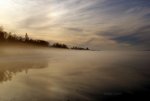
column 64, row 75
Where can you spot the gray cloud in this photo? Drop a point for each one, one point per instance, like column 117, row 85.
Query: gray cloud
column 100, row 23
column 75, row 29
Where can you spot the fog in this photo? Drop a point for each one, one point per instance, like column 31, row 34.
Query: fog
column 72, row 75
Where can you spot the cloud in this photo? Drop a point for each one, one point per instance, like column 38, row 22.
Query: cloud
column 103, row 24
column 75, row 29
column 139, row 36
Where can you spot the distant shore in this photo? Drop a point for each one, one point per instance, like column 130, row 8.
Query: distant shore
column 9, row 40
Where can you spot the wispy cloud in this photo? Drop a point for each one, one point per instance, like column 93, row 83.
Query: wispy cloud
column 105, row 24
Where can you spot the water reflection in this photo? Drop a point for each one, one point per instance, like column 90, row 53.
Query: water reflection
column 74, row 76
column 11, row 65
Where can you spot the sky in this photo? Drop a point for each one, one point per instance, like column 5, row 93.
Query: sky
column 97, row 24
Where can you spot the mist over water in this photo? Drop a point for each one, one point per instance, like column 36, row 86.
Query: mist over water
column 71, row 75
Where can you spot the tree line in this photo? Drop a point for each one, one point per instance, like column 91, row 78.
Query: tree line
column 6, row 37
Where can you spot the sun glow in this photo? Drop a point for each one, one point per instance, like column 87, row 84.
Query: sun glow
column 5, row 3
column 57, row 14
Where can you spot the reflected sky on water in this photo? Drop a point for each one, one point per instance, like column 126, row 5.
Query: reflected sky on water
column 64, row 75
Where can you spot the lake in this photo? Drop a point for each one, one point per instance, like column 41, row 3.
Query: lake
column 71, row 75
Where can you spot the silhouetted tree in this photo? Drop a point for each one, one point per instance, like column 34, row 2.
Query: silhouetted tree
column 59, row 45
column 13, row 38
column 26, row 37
column 2, row 34
column 79, row 48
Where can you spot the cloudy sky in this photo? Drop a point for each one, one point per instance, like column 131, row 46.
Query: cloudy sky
column 98, row 24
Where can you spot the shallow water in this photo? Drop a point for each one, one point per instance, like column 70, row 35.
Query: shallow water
column 65, row 75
